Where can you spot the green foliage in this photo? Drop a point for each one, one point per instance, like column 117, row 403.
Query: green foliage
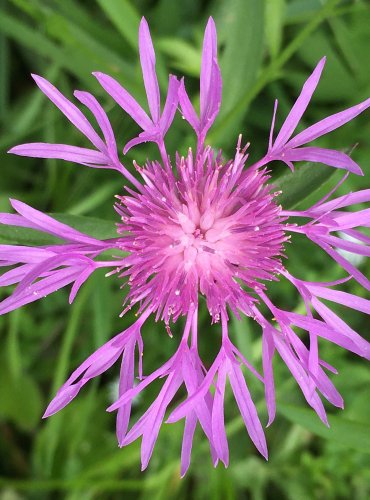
column 267, row 50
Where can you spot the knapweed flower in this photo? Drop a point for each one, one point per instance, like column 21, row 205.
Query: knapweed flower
column 198, row 226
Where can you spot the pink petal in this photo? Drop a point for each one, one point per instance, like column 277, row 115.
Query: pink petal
column 188, row 405
column 301, row 377
column 46, row 223
column 151, row 136
column 147, row 59
column 187, row 442
column 349, row 246
column 19, row 253
column 131, row 393
column 339, row 332
column 40, row 289
column 268, row 349
column 329, row 157
column 60, row 151
column 328, row 124
column 15, row 275
column 350, row 220
column 101, row 117
column 124, row 99
column 156, row 416
column 187, row 108
column 85, row 274
column 171, row 103
column 299, row 108
column 70, row 110
column 357, row 275
column 247, row 408
column 209, row 53
column 62, row 399
column 126, row 382
column 218, row 420
column 343, row 201
column 344, row 298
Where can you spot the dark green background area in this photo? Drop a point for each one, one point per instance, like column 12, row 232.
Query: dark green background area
column 267, row 49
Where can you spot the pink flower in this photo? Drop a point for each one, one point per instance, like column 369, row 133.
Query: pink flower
column 198, row 226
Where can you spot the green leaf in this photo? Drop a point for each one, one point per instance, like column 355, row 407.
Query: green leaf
column 184, row 56
column 274, row 24
column 349, row 433
column 124, row 17
column 243, row 24
column 41, row 45
column 298, row 185
column 98, row 228
column 20, row 397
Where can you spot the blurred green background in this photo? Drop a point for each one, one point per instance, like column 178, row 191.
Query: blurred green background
column 268, row 48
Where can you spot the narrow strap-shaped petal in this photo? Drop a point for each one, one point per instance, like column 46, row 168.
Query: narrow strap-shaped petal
column 187, row 108
column 126, row 382
column 351, row 269
column 268, row 349
column 209, row 53
column 50, row 264
column 130, row 394
column 171, row 103
column 68, row 392
column 271, row 135
column 50, row 225
column 85, row 274
column 214, row 99
column 185, row 407
column 299, row 107
column 329, row 157
column 156, row 417
column 147, row 59
column 247, row 408
column 346, row 200
column 20, row 253
column 301, row 378
column 218, row 420
column 40, row 289
column 187, row 442
column 114, row 345
column 344, row 298
column 349, row 246
column 333, row 329
column 62, row 399
column 328, row 124
column 362, row 346
column 17, row 221
column 69, row 110
column 201, row 408
column 15, row 275
column 321, row 380
column 124, row 99
column 60, row 151
column 101, row 117
column 350, row 220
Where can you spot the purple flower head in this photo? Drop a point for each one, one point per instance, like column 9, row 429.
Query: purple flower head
column 196, row 227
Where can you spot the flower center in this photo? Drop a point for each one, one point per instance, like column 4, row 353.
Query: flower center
column 214, row 230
